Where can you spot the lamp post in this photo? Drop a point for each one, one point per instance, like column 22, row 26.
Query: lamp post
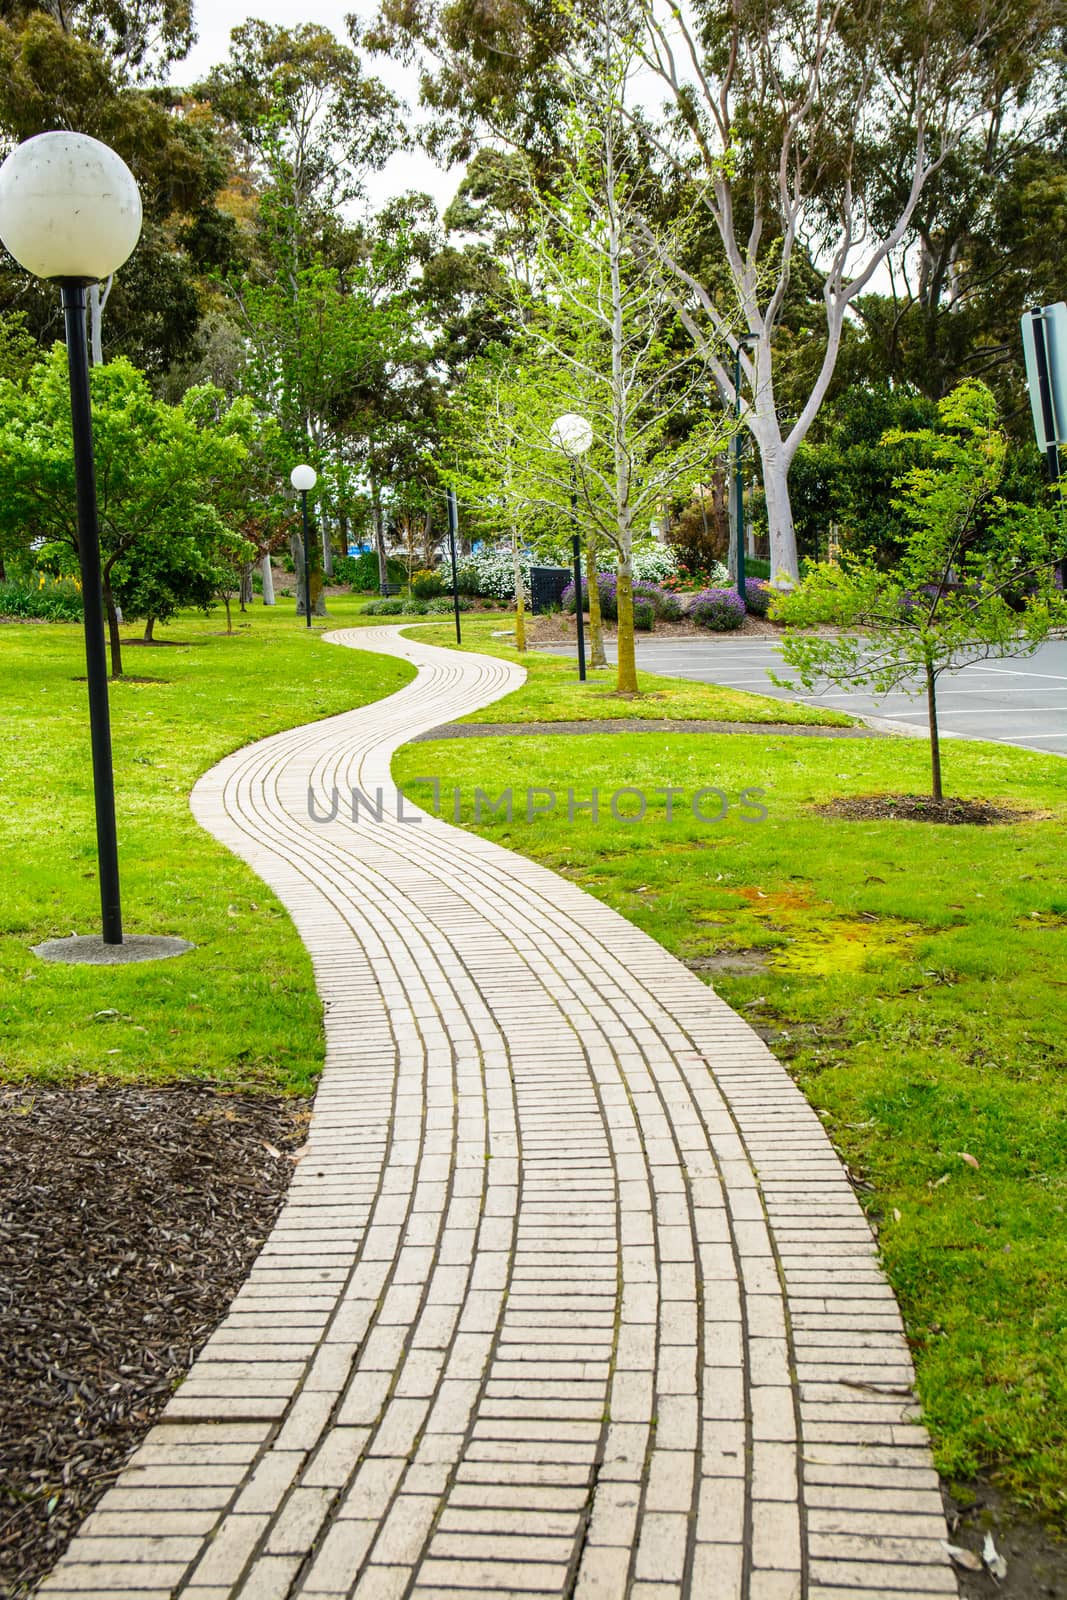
column 453, row 528
column 739, row 482
column 573, row 435
column 302, row 479
column 70, row 212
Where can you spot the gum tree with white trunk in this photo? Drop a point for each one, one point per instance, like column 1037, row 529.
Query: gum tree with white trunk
column 814, row 127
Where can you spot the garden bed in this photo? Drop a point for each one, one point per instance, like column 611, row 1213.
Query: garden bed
column 129, row 1218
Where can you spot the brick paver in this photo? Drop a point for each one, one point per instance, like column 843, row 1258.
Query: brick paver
column 570, row 1293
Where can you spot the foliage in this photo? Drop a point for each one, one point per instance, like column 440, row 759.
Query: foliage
column 721, row 610
column 393, row 606
column 975, row 580
column 426, row 585
column 361, row 572
column 644, row 616
column 663, row 604
column 758, row 596
column 161, row 470
column 652, row 561
column 442, row 604
column 41, row 598
column 489, row 573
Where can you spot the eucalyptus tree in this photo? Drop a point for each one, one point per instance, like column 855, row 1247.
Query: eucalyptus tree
column 806, row 131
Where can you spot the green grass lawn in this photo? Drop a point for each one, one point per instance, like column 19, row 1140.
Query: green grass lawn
column 241, row 1009
column 552, row 692
column 916, row 986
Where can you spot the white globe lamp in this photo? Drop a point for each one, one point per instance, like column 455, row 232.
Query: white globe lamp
column 572, row 434
column 69, row 207
column 302, row 479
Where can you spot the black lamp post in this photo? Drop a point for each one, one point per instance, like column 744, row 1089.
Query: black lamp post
column 739, row 482
column 573, row 435
column 453, row 529
column 304, row 478
column 70, row 212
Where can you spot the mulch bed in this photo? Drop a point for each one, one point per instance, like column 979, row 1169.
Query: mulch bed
column 918, row 808
column 129, row 1218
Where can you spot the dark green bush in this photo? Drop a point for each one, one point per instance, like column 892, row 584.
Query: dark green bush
column 41, row 599
column 426, row 585
column 644, row 616
column 361, row 572
column 442, row 604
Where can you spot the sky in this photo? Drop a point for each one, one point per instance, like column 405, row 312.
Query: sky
column 216, row 18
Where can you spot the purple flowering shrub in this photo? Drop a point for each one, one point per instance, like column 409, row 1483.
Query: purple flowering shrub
column 721, row 610
column 662, row 604
column 758, row 596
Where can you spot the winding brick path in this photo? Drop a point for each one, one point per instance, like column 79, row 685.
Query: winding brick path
column 570, row 1295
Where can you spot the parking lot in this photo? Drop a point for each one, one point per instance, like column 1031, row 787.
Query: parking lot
column 1014, row 701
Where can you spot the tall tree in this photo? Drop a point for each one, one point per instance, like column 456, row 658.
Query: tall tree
column 804, row 130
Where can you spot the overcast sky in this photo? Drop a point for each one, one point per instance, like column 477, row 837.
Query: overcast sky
column 216, row 18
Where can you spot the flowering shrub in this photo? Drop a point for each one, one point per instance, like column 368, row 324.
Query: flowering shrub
column 758, row 596
column 652, row 561
column 663, row 605
column 489, row 572
column 715, row 576
column 43, row 599
column 425, row 585
column 722, row 610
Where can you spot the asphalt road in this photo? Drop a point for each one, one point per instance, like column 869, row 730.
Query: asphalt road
column 1020, row 702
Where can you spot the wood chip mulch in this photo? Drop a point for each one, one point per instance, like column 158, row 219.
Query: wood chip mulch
column 129, row 1218
column 918, row 808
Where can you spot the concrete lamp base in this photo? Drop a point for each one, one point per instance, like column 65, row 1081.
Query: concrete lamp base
column 90, row 949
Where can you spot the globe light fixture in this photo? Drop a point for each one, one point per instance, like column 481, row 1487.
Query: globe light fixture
column 69, row 207
column 573, row 434
column 70, row 212
column 302, row 479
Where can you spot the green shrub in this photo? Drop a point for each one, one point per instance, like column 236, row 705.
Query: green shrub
column 41, row 599
column 426, row 585
column 361, row 572
column 644, row 616
column 394, row 608
column 442, row 604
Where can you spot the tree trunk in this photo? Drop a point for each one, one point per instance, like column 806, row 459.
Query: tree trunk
column 113, row 630
column 429, row 543
column 149, row 630
column 226, row 603
column 97, row 300
column 597, row 658
column 520, row 592
column 935, row 738
column 268, row 580
column 246, row 585
column 784, row 562
column 627, row 671
column 327, row 550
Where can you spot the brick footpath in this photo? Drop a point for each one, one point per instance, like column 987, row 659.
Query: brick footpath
column 570, row 1294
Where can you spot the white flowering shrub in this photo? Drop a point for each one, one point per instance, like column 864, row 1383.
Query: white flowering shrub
column 493, row 571
column 652, row 561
